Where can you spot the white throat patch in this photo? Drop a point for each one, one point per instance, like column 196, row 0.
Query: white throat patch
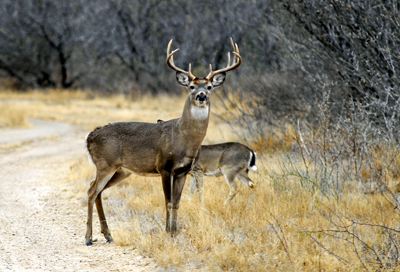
column 199, row 113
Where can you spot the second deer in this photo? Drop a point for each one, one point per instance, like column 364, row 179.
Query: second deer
column 232, row 160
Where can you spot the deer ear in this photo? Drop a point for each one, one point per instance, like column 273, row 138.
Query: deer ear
column 182, row 79
column 218, row 79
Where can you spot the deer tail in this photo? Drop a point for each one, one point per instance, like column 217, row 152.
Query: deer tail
column 252, row 161
column 87, row 150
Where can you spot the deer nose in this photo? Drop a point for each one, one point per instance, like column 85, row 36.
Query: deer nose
column 201, row 97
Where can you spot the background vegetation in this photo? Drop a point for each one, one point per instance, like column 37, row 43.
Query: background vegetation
column 317, row 96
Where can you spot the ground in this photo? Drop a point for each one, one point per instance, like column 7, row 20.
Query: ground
column 42, row 227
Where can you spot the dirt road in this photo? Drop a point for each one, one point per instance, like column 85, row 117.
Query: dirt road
column 41, row 226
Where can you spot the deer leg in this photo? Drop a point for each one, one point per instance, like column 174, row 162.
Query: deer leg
column 230, row 179
column 102, row 218
column 193, row 183
column 116, row 178
column 166, row 181
column 196, row 184
column 196, row 181
column 178, row 184
column 95, row 188
column 244, row 178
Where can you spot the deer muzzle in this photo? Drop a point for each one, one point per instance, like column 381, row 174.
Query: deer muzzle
column 201, row 97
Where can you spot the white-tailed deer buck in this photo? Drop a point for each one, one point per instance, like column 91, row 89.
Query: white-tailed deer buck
column 168, row 149
column 233, row 160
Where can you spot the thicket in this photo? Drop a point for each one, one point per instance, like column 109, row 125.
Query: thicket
column 340, row 93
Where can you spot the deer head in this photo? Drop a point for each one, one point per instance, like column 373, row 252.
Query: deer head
column 200, row 88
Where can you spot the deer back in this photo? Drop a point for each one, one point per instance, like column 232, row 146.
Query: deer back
column 214, row 157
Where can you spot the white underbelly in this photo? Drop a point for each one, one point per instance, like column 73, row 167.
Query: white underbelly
column 141, row 173
column 214, row 173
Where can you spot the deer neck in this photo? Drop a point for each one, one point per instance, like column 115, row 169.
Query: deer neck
column 194, row 121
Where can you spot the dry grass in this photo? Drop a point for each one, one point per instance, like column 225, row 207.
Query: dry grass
column 270, row 142
column 78, row 107
column 274, row 227
column 265, row 229
column 11, row 115
column 14, row 145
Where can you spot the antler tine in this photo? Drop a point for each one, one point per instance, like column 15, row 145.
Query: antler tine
column 169, row 47
column 237, row 60
column 171, row 55
column 237, row 48
column 190, row 72
column 171, row 64
column 233, row 50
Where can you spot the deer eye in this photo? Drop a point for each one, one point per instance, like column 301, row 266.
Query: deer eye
column 209, row 88
column 192, row 87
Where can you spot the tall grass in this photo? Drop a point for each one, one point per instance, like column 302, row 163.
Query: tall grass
column 85, row 109
column 269, row 228
column 11, row 115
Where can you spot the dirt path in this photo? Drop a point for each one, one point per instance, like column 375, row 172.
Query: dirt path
column 42, row 228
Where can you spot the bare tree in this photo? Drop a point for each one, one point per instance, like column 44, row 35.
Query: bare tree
column 44, row 42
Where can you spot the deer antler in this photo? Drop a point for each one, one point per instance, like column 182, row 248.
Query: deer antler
column 237, row 60
column 171, row 64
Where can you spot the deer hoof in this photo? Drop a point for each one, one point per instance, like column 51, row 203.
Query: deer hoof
column 107, row 235
column 90, row 240
column 251, row 184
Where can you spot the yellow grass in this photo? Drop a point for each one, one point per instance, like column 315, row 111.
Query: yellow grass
column 77, row 107
column 11, row 115
column 264, row 229
column 273, row 227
